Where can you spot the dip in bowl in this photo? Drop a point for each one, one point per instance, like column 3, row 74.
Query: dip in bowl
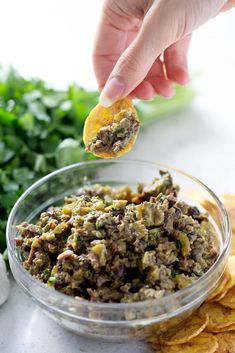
column 115, row 320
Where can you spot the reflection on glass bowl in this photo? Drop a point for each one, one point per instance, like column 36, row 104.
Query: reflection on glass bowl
column 114, row 321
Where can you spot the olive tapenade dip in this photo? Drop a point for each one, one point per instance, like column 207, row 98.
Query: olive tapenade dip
column 110, row 132
column 115, row 137
column 116, row 245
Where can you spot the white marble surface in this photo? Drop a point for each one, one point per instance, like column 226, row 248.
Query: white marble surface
column 25, row 329
column 199, row 140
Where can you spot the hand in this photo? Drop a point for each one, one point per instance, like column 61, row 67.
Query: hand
column 141, row 46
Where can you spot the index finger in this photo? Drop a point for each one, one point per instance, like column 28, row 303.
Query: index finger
column 116, row 31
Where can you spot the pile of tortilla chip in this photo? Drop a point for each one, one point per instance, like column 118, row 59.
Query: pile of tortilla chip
column 211, row 329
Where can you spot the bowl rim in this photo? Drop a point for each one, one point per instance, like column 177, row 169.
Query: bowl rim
column 83, row 302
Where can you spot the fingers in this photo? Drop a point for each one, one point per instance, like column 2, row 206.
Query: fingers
column 229, row 5
column 144, row 91
column 129, row 71
column 163, row 87
column 115, row 32
column 163, row 25
column 137, row 60
column 160, row 83
column 103, row 65
column 154, row 83
column 147, row 90
column 175, row 58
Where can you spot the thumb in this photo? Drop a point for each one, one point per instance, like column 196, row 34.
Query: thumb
column 164, row 24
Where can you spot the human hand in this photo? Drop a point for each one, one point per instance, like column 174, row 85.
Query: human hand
column 141, row 46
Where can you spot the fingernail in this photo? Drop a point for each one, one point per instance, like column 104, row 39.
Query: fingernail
column 112, row 92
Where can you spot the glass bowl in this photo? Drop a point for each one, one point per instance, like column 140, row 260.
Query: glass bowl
column 115, row 321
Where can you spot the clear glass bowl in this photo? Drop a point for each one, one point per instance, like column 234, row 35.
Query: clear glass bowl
column 115, row 321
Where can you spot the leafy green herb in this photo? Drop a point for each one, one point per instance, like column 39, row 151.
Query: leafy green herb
column 41, row 130
column 5, row 257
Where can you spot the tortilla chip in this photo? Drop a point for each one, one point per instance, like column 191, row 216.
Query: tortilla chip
column 219, row 296
column 154, row 338
column 219, row 316
column 231, row 282
column 211, row 208
column 100, row 117
column 229, row 203
column 232, row 246
column 156, row 346
column 186, row 330
column 224, row 329
column 226, row 341
column 203, row 343
column 231, row 269
column 220, row 289
column 229, row 299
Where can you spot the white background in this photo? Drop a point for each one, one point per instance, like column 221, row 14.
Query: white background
column 53, row 39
